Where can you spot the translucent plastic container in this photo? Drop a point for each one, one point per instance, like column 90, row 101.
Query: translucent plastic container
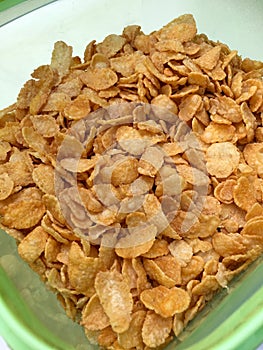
column 30, row 316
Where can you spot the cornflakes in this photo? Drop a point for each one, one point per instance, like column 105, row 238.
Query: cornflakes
column 243, row 194
column 111, row 45
column 6, row 186
column 182, row 29
column 142, row 281
column 132, row 338
column 82, row 270
column 45, row 125
column 33, row 245
column 164, row 301
column 132, row 180
column 99, row 78
column 224, row 191
column 93, row 315
column 157, row 274
column 79, row 108
column 151, row 161
column 209, row 59
column 255, row 211
column 61, row 58
column 182, row 251
column 43, row 176
column 159, row 248
column 253, row 227
column 155, row 329
column 15, row 215
column 189, row 106
column 128, row 170
column 192, row 269
column 170, row 267
column 218, row 133
column 115, row 297
column 222, row 159
column 106, row 337
column 226, row 245
column 138, row 242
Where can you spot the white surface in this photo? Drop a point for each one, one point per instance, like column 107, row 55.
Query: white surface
column 27, row 42
column 3, row 345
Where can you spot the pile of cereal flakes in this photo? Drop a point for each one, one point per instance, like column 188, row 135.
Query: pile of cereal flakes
column 155, row 200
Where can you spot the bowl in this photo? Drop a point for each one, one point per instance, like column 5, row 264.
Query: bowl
column 31, row 317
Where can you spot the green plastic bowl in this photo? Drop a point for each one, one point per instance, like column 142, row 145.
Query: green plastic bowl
column 30, row 316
